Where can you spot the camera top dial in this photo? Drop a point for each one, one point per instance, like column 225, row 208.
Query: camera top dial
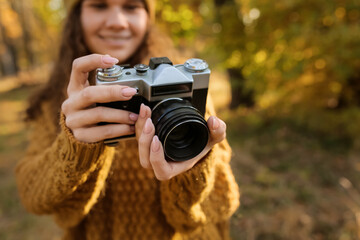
column 109, row 74
column 195, row 65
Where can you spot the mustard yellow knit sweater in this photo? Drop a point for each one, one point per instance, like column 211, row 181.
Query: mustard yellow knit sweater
column 97, row 192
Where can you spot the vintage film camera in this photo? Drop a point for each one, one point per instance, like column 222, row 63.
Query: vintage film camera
column 177, row 96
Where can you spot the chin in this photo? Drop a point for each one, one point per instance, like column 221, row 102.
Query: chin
column 119, row 54
column 122, row 54
column 121, row 57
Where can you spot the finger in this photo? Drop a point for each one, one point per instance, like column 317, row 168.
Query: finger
column 102, row 94
column 99, row 133
column 165, row 170
column 144, row 143
column 217, row 129
column 83, row 65
column 162, row 169
column 180, row 167
column 93, row 116
column 144, row 114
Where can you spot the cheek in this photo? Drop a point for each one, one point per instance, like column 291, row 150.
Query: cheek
column 140, row 25
column 84, row 25
column 89, row 24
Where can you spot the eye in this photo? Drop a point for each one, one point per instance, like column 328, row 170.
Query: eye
column 132, row 6
column 98, row 5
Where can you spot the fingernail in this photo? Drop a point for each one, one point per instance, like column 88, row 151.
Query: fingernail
column 133, row 116
column 132, row 128
column 128, row 92
column 142, row 111
column 215, row 123
column 155, row 145
column 147, row 127
column 109, row 60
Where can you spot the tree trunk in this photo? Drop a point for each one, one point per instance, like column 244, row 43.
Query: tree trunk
column 8, row 57
column 239, row 94
column 23, row 10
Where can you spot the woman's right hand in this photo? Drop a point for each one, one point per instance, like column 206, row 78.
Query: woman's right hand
column 82, row 116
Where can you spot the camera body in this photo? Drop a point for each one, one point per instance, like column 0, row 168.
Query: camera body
column 176, row 94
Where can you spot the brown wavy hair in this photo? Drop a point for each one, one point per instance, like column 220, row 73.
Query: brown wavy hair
column 73, row 46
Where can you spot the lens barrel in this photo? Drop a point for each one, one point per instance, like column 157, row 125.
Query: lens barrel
column 181, row 129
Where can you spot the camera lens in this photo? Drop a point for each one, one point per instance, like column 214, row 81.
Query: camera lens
column 181, row 129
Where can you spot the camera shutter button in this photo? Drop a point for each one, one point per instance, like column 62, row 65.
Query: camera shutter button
column 141, row 69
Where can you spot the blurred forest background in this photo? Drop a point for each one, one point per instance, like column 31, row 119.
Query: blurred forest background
column 286, row 79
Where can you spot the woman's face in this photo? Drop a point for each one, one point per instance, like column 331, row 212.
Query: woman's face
column 114, row 27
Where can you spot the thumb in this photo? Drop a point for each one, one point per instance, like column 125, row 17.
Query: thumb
column 217, row 129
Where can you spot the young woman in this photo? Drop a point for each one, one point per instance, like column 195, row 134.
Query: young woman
column 129, row 191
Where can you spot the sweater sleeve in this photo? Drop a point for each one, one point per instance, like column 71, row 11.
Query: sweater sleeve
column 207, row 193
column 60, row 175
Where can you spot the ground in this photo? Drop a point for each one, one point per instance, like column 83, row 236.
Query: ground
column 295, row 183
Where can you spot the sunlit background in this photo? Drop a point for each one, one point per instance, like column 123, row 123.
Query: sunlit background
column 285, row 78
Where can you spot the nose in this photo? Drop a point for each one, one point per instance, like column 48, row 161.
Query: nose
column 117, row 19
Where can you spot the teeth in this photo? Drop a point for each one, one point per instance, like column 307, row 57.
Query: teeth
column 115, row 38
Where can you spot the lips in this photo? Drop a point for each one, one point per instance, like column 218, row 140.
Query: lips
column 115, row 40
column 114, row 37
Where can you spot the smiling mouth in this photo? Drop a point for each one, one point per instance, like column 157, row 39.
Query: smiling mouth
column 115, row 41
column 115, row 38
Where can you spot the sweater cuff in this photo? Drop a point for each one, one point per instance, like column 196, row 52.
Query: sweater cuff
column 86, row 155
column 197, row 179
column 182, row 195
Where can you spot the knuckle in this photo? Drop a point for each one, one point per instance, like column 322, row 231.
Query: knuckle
column 86, row 93
column 137, row 135
column 161, row 173
column 114, row 92
column 108, row 132
column 76, row 63
column 163, row 177
column 137, row 128
column 95, row 56
column 68, row 121
column 142, row 140
column 98, row 114
column 65, row 106
column 145, row 164
column 78, row 134
column 148, row 111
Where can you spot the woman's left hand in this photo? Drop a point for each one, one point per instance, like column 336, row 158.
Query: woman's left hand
column 151, row 151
